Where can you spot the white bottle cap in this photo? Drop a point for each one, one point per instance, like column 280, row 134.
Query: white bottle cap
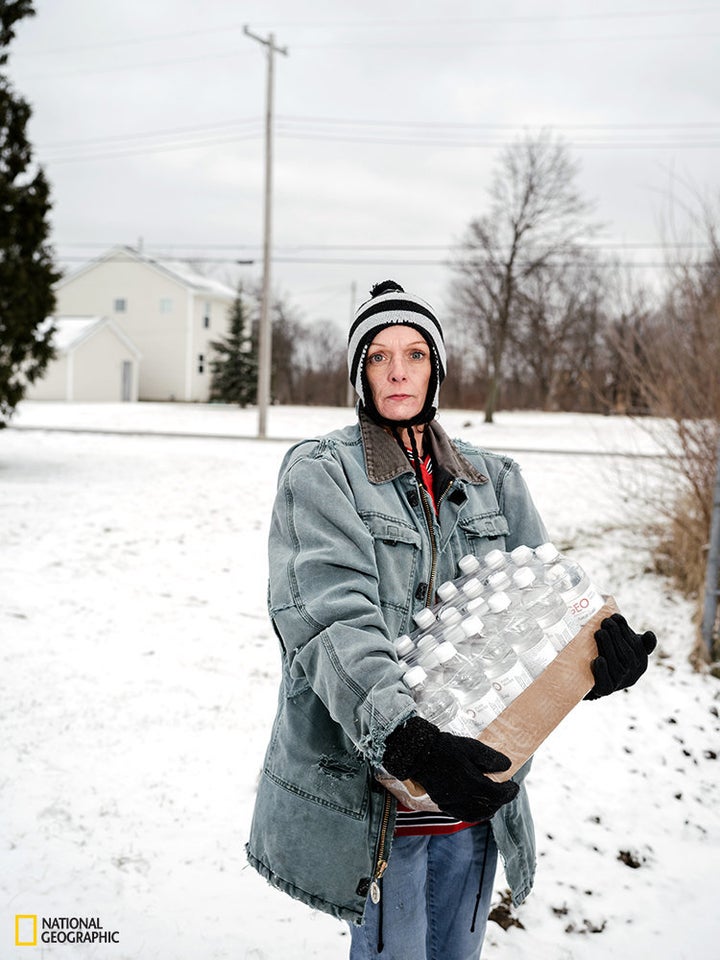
column 450, row 615
column 454, row 635
column 404, row 645
column 446, row 651
column 414, row 677
column 448, row 590
column 556, row 572
column 521, row 555
column 469, row 564
column 476, row 604
column 426, row 642
column 498, row 581
column 424, row 618
column 471, row 626
column 523, row 577
column 547, row 552
column 495, row 559
column 498, row 602
column 472, row 587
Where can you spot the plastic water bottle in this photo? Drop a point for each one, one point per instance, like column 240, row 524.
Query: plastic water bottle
column 469, row 566
column 500, row 580
column 496, row 562
column 434, row 703
column 449, row 616
column 427, row 625
column 524, row 556
column 420, row 651
column 453, row 636
column 581, row 597
column 447, row 610
column 546, row 606
column 479, row 701
column 472, row 628
column 504, row 669
column 448, row 592
column 425, row 618
column 472, row 570
column 521, row 631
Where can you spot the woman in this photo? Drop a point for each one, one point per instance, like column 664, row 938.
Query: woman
column 367, row 522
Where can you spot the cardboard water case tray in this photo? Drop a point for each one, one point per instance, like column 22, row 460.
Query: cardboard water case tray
column 526, row 722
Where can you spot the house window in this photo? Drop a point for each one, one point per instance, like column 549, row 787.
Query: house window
column 206, row 316
column 166, row 305
column 201, row 363
column 120, row 305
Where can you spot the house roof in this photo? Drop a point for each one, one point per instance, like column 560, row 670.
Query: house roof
column 70, row 332
column 177, row 270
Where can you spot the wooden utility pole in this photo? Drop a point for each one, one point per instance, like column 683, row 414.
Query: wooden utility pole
column 265, row 331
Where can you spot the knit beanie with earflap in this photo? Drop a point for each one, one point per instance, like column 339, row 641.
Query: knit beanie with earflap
column 390, row 305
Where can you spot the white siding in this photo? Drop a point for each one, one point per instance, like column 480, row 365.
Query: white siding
column 53, row 385
column 89, row 369
column 162, row 315
column 159, row 336
column 97, row 367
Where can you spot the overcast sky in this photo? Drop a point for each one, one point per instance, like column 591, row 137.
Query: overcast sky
column 389, row 117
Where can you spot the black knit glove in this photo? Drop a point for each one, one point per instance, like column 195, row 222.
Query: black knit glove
column 452, row 769
column 623, row 656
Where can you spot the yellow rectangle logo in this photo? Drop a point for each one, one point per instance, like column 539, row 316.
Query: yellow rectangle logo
column 25, row 930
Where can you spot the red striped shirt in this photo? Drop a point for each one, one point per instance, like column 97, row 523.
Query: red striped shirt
column 421, row 822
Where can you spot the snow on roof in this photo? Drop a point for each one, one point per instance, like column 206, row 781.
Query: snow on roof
column 179, row 270
column 187, row 275
column 70, row 330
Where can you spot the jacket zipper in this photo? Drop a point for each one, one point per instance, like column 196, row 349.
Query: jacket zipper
column 381, row 862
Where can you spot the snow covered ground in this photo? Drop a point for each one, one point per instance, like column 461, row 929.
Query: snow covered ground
column 139, row 678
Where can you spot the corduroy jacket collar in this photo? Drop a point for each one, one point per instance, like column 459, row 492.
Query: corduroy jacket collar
column 384, row 460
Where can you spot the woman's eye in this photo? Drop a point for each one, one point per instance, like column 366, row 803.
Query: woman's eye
column 418, row 354
column 375, row 357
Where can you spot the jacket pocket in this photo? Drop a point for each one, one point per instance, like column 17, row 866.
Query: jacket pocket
column 397, row 548
column 481, row 534
column 310, row 757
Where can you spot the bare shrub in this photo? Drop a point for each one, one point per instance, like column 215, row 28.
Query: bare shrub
column 674, row 365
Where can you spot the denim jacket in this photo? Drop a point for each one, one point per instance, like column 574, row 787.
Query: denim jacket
column 355, row 549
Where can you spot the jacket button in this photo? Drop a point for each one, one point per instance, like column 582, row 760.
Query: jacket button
column 413, row 498
column 363, row 887
column 421, row 591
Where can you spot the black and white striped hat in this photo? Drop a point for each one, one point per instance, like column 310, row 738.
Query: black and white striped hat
column 389, row 305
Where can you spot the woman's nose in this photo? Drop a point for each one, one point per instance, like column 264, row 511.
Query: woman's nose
column 397, row 369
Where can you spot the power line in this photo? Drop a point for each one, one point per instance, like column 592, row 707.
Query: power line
column 373, row 247
column 427, row 262
column 670, row 127
column 444, row 124
column 381, row 24
column 173, row 131
column 667, row 136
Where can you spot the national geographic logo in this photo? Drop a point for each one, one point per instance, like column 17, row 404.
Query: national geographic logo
column 60, row 930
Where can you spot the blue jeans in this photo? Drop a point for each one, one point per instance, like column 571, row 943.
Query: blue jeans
column 428, row 902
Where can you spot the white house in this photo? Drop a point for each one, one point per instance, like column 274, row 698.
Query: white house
column 170, row 313
column 95, row 360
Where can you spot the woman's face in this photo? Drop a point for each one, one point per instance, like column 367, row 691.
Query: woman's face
column 398, row 372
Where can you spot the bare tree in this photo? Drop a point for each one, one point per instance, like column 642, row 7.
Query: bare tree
column 321, row 373
column 535, row 223
column 674, row 367
column 559, row 318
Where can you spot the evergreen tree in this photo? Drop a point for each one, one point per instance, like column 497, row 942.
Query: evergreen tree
column 27, row 273
column 234, row 370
